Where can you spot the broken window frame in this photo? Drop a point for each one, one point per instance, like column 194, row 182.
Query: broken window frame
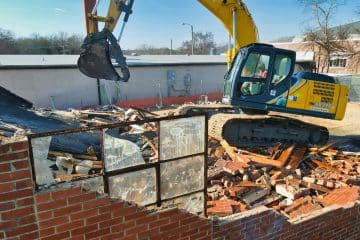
column 157, row 165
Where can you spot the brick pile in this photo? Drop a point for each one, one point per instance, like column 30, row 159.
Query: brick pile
column 295, row 180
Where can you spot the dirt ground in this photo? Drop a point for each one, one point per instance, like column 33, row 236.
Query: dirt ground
column 347, row 129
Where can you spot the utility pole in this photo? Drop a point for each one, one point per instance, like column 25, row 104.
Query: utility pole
column 171, row 46
column 192, row 37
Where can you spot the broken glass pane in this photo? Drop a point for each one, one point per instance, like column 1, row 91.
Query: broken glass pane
column 182, row 137
column 193, row 203
column 120, row 153
column 138, row 187
column 182, row 176
column 40, row 150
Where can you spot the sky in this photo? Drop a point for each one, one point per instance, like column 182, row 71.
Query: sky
column 157, row 22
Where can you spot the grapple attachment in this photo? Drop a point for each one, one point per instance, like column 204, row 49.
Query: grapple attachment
column 97, row 51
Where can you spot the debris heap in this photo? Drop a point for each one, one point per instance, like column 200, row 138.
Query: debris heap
column 292, row 179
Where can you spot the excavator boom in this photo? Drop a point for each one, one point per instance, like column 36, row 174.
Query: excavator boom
column 99, row 47
column 237, row 20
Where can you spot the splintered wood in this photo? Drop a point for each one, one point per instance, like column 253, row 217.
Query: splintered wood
column 292, row 179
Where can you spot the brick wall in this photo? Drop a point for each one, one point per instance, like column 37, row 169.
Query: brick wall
column 336, row 222
column 18, row 218
column 75, row 213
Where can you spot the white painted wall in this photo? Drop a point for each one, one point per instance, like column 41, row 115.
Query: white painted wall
column 67, row 87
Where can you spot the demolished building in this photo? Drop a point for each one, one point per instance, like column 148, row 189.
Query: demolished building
column 128, row 174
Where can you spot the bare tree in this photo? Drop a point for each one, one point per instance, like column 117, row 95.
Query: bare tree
column 203, row 43
column 8, row 44
column 322, row 39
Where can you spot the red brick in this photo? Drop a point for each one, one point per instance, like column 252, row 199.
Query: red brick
column 83, row 214
column 136, row 229
column 7, row 206
column 111, row 222
column 137, row 215
column 21, row 230
column 47, row 232
column 82, row 198
column 51, row 205
column 4, row 149
column 124, row 211
column 96, row 203
column 147, row 219
column 5, row 167
column 100, row 232
column 165, row 228
column 27, row 219
column 70, row 226
column 64, row 235
column 148, row 233
column 20, row 164
column 98, row 218
column 25, row 202
column 14, row 195
column 24, row 184
column 17, row 213
column 45, row 215
column 19, row 146
column 43, row 197
column 342, row 196
column 169, row 213
column 159, row 223
column 80, row 237
column 6, row 187
column 29, row 236
column 13, row 176
column 111, row 207
column 112, row 236
column 83, row 230
column 7, row 224
column 14, row 156
column 122, row 227
column 53, row 222
column 67, row 210
column 66, row 193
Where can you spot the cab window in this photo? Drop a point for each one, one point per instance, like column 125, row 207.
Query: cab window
column 252, row 88
column 256, row 66
column 282, row 67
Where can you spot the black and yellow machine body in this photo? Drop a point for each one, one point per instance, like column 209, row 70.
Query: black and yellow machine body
column 262, row 78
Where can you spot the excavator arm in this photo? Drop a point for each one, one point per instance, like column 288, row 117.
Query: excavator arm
column 237, row 20
column 99, row 47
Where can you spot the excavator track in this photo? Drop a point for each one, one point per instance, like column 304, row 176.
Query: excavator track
column 246, row 130
column 243, row 129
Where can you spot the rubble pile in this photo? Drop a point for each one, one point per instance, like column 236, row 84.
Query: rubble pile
column 292, row 179
column 67, row 166
column 108, row 114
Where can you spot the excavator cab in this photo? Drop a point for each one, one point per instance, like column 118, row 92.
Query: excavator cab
column 100, row 51
column 261, row 78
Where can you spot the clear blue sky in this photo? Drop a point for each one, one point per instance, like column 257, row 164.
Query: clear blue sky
column 155, row 22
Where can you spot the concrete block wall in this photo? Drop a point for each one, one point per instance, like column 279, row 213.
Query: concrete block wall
column 75, row 213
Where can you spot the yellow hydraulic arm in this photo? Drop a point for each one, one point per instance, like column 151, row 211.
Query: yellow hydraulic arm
column 95, row 60
column 237, row 20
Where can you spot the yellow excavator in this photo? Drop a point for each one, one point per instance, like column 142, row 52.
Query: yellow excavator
column 260, row 78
